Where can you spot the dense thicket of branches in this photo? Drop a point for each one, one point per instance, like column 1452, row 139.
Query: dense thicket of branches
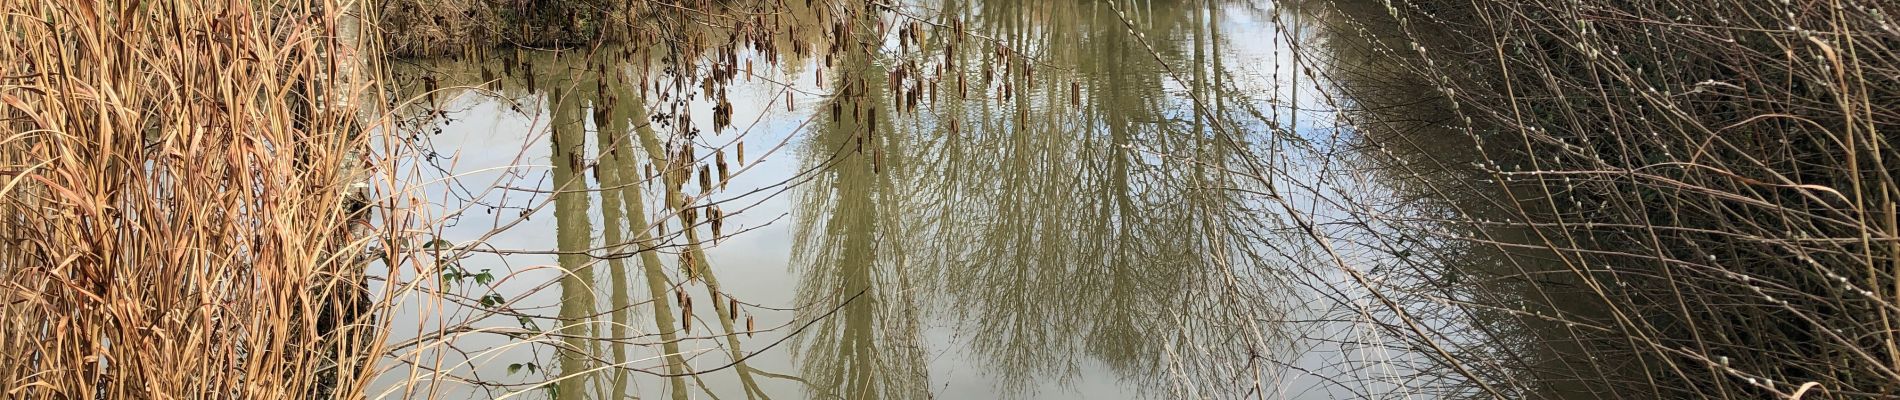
column 1638, row 199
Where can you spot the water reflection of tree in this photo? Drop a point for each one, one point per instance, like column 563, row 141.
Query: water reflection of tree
column 848, row 245
column 1058, row 205
column 574, row 235
column 596, row 339
column 1081, row 214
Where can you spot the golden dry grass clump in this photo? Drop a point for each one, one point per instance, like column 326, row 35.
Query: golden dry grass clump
column 177, row 202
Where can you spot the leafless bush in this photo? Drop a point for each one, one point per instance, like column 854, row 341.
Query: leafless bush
column 1631, row 199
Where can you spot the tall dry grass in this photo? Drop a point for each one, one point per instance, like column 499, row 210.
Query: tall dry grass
column 182, row 209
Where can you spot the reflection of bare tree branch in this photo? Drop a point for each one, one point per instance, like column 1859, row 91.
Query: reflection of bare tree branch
column 846, row 244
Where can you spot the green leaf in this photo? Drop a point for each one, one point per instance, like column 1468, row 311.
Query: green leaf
column 527, row 323
column 484, row 278
column 451, row 276
column 440, row 244
column 512, row 368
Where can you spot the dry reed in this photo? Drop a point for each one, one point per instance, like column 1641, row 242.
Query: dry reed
column 183, row 211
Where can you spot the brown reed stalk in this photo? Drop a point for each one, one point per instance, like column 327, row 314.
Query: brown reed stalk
column 182, row 211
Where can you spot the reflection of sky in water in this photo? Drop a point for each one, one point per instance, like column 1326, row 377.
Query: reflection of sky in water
column 488, row 143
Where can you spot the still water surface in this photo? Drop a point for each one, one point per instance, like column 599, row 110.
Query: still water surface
column 960, row 200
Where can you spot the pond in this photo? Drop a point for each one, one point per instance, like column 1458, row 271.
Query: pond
column 947, row 199
column 684, row 199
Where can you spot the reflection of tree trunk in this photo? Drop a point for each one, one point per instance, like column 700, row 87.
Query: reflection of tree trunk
column 701, row 265
column 635, row 207
column 574, row 233
column 703, row 269
column 616, row 164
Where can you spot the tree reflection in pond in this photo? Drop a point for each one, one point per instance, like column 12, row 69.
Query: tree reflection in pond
column 1024, row 177
column 1047, row 205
